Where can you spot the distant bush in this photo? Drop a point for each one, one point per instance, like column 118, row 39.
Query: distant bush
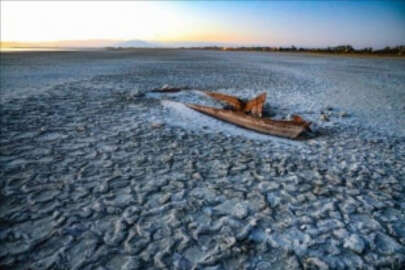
column 398, row 50
column 341, row 49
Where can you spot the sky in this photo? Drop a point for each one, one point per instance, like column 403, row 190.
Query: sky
column 272, row 23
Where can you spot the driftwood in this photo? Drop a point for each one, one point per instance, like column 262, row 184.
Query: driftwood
column 289, row 129
column 232, row 101
column 253, row 106
column 247, row 114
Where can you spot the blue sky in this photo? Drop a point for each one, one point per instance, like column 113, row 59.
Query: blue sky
column 308, row 23
column 272, row 23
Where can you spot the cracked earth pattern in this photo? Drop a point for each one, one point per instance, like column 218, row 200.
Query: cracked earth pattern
column 88, row 183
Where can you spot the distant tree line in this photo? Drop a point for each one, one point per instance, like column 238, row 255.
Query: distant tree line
column 343, row 49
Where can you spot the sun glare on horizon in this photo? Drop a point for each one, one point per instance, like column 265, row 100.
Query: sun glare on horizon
column 33, row 21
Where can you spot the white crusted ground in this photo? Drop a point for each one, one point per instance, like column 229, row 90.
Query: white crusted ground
column 96, row 175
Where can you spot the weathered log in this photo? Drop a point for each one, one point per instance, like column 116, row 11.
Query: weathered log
column 236, row 103
column 253, row 106
column 289, row 129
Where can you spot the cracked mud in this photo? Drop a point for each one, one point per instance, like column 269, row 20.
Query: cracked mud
column 97, row 173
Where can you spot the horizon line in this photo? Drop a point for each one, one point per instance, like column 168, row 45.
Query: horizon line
column 115, row 43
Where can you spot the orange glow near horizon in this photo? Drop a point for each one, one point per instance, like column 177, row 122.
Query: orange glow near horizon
column 205, row 35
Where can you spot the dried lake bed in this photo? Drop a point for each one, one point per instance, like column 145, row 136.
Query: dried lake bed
column 97, row 172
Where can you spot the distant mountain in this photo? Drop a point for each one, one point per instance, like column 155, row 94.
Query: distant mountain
column 135, row 43
column 167, row 44
column 193, row 44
